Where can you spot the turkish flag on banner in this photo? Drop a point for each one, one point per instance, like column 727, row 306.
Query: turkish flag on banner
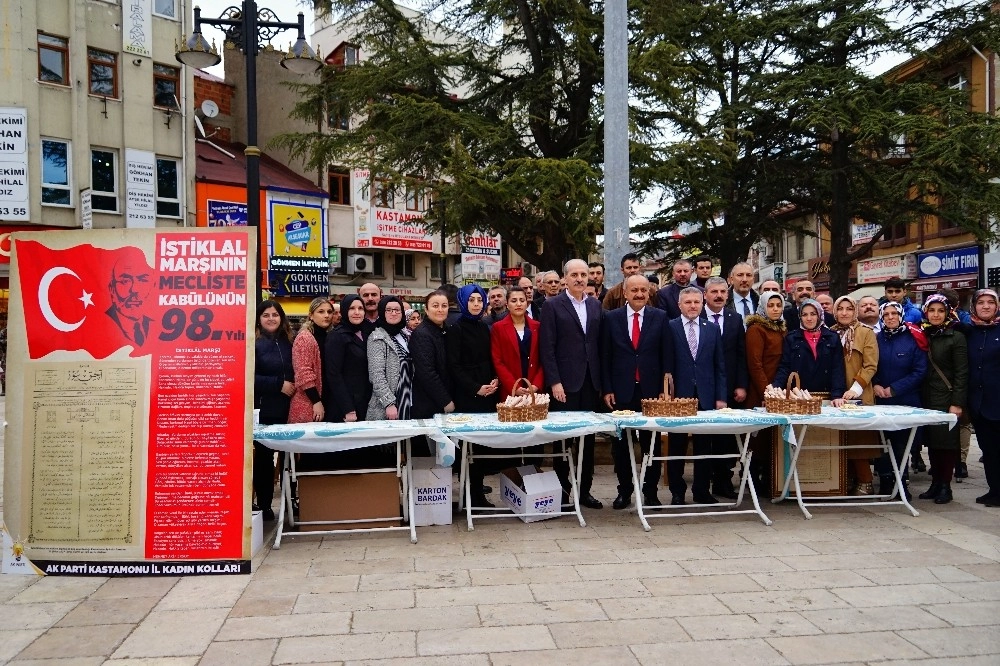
column 85, row 298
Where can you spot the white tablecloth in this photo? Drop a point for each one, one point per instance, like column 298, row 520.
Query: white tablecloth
column 874, row 417
column 487, row 430
column 334, row 437
column 723, row 421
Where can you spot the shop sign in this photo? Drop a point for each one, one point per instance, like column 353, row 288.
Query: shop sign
column 959, row 261
column 226, row 213
column 389, row 228
column 880, row 269
column 960, row 282
column 13, row 164
column 481, row 255
column 819, row 271
column 862, row 233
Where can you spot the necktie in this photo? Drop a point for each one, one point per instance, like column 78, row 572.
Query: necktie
column 746, row 307
column 692, row 340
column 635, row 339
column 717, row 321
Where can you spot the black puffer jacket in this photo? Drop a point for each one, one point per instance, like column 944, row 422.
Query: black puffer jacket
column 432, row 385
column 272, row 368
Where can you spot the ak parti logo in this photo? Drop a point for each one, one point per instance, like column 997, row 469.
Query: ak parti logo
column 85, row 298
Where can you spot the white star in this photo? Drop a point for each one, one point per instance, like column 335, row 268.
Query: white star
column 87, row 299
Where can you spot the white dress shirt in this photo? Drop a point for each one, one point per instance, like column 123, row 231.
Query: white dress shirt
column 581, row 309
column 641, row 314
column 711, row 316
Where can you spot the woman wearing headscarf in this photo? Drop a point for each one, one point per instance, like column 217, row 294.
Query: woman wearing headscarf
column 860, row 363
column 470, row 364
column 902, row 364
column 273, row 388
column 983, row 338
column 389, row 366
column 944, row 389
column 815, row 353
column 765, row 338
column 308, row 361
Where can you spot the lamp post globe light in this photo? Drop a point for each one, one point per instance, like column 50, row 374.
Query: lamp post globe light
column 248, row 27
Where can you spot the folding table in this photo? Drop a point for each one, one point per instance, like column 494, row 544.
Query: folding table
column 487, row 430
column 741, row 423
column 336, row 437
column 863, row 417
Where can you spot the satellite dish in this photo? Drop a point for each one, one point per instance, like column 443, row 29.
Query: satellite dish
column 209, row 108
column 201, row 128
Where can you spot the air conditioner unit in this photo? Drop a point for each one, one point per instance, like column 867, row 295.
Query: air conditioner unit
column 360, row 263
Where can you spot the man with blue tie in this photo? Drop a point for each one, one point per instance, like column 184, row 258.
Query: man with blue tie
column 633, row 349
column 568, row 343
column 730, row 324
column 699, row 370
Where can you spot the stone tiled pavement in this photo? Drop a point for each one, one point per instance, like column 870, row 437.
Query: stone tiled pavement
column 850, row 586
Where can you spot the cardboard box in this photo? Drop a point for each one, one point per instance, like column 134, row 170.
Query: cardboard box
column 256, row 532
column 529, row 490
column 349, row 497
column 431, row 493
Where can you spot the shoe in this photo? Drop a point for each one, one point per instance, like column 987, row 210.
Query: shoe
column 622, row 502
column 677, row 500
column 267, row 515
column 650, row 499
column 591, row 502
column 932, row 492
column 480, row 502
column 989, row 499
column 862, row 489
column 961, row 471
column 918, row 463
column 726, row 493
column 886, row 482
column 487, row 489
column 944, row 494
column 704, row 498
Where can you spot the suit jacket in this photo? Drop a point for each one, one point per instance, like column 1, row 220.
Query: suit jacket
column 666, row 299
column 506, row 350
column 705, row 374
column 567, row 352
column 346, row 375
column 432, row 387
column 754, row 300
column 619, row 359
column 734, row 345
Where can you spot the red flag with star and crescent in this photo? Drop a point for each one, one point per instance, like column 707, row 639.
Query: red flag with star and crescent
column 85, row 298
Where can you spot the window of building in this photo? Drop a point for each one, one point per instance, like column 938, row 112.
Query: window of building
column 896, row 233
column 103, row 72
column 404, row 266
column 166, row 8
column 56, row 173
column 166, row 84
column 345, row 55
column 957, row 82
column 104, row 180
column 378, row 264
column 337, row 115
column 416, row 198
column 382, row 194
column 339, row 186
column 436, row 268
column 168, row 187
column 800, row 247
column 53, row 59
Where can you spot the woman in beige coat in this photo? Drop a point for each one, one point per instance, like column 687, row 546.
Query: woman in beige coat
column 860, row 363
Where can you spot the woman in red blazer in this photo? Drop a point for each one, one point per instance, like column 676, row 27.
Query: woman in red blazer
column 514, row 345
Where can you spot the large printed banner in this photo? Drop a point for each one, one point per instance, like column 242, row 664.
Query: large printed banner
column 128, row 408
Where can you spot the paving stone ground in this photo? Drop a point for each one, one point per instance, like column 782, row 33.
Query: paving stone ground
column 850, row 586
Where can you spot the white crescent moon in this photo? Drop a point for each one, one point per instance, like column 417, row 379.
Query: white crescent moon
column 43, row 299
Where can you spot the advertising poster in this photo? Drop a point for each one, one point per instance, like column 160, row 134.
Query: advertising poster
column 226, row 214
column 297, row 265
column 386, row 227
column 481, row 256
column 129, row 421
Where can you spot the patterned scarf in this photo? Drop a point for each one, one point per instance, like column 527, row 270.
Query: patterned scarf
column 846, row 332
column 950, row 320
column 975, row 316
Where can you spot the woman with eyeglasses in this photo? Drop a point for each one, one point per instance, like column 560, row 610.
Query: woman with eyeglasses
column 390, row 368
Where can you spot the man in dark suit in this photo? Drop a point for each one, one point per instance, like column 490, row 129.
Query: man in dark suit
column 668, row 297
column 803, row 290
column 633, row 339
column 742, row 298
column 568, row 344
column 734, row 347
column 699, row 369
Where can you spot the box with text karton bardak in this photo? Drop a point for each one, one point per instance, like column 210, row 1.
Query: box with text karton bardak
column 528, row 490
column 431, row 493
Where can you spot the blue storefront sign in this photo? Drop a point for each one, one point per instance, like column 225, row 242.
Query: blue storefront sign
column 960, row 261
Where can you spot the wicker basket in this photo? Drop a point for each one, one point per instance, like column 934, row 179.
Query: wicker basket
column 532, row 412
column 790, row 405
column 669, row 406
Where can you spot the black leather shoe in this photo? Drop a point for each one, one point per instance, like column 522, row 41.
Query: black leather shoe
column 944, row 494
column 650, row 499
column 591, row 502
column 918, row 463
column 704, row 498
column 932, row 492
column 480, row 502
column 726, row 493
column 677, row 500
column 989, row 499
column 961, row 471
column 487, row 489
column 267, row 515
column 621, row 502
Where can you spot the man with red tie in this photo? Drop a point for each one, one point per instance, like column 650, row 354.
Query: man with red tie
column 633, row 339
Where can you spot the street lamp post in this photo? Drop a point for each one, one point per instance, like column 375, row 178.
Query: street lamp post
column 248, row 26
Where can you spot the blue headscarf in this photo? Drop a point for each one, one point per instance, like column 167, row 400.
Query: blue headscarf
column 463, row 301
